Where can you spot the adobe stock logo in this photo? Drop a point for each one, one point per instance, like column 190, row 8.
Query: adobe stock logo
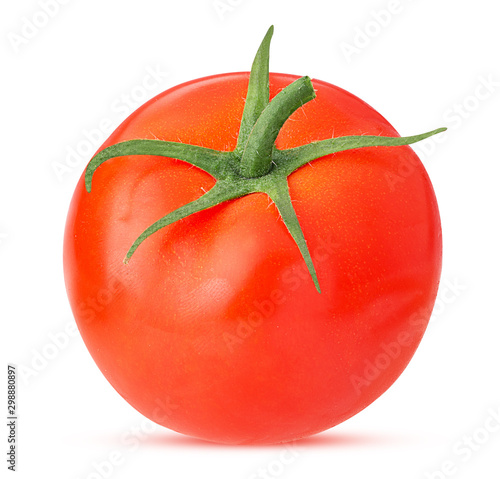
column 365, row 35
column 454, row 118
column 31, row 26
column 222, row 7
column 279, row 466
column 374, row 367
column 131, row 439
column 450, row 290
column 81, row 152
column 3, row 237
column 89, row 309
column 44, row 355
column 470, row 444
column 58, row 341
column 263, row 310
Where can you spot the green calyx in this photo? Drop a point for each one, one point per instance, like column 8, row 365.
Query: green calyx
column 255, row 165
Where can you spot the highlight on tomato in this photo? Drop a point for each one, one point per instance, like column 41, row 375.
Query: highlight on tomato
column 243, row 260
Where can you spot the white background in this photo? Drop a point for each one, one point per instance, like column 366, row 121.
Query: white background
column 422, row 66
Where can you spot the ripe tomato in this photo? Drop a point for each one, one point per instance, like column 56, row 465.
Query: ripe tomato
column 215, row 327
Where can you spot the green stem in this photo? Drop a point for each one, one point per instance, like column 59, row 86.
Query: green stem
column 281, row 197
column 293, row 158
column 256, row 165
column 204, row 158
column 257, row 157
column 218, row 194
column 258, row 91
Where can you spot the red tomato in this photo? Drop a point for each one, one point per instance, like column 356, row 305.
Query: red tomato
column 215, row 328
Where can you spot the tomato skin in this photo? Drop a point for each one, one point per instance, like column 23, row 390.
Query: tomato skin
column 215, row 329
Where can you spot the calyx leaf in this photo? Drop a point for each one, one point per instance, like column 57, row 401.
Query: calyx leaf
column 255, row 165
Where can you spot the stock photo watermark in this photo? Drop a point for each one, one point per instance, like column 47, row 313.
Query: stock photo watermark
column 223, row 7
column 454, row 118
column 91, row 139
column 449, row 292
column 468, row 446
column 90, row 307
column 277, row 467
column 364, row 35
column 33, row 24
column 374, row 367
column 130, row 441
column 58, row 341
column 41, row 357
column 263, row 309
column 12, row 416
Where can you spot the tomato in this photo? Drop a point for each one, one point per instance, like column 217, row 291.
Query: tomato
column 218, row 326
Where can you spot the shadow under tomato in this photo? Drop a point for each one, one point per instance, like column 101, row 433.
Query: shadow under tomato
column 322, row 440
